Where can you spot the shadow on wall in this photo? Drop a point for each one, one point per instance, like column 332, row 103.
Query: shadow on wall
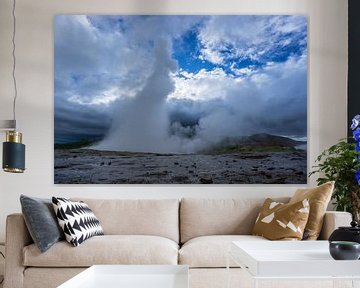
column 155, row 7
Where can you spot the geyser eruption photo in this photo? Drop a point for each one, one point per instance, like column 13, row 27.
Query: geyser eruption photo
column 180, row 99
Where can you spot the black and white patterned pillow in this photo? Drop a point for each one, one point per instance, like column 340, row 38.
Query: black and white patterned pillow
column 77, row 220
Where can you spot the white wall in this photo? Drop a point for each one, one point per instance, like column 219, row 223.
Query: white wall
column 326, row 105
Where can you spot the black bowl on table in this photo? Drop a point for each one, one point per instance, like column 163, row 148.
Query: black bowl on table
column 344, row 250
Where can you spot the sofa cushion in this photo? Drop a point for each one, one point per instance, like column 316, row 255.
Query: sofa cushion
column 107, row 249
column 211, row 251
column 200, row 217
column 41, row 221
column 279, row 221
column 158, row 217
column 35, row 277
column 76, row 220
column 319, row 198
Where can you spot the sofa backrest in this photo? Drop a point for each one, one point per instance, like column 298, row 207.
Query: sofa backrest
column 159, row 217
column 200, row 217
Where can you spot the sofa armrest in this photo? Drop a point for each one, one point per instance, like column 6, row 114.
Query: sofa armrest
column 333, row 220
column 17, row 237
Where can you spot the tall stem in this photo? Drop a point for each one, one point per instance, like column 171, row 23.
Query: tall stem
column 355, row 201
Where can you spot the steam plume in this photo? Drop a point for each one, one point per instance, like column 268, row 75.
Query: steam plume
column 142, row 124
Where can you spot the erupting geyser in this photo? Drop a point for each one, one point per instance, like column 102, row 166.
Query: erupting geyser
column 142, row 124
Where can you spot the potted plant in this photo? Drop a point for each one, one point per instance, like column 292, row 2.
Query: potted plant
column 341, row 163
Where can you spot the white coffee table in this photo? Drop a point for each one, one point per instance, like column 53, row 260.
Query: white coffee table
column 131, row 276
column 292, row 260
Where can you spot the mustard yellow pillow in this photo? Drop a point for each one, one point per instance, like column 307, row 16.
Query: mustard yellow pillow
column 279, row 221
column 319, row 198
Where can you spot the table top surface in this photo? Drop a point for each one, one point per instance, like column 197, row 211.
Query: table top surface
column 291, row 259
column 131, row 276
column 286, row 250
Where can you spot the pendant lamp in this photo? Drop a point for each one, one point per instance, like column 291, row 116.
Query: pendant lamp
column 13, row 160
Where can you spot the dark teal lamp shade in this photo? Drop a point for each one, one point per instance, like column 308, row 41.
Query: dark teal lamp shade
column 13, row 153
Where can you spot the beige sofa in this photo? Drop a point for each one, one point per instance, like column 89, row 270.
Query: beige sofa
column 194, row 232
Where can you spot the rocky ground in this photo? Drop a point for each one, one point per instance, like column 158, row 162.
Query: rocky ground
column 86, row 166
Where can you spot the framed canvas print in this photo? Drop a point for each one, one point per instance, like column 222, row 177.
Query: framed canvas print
column 180, row 99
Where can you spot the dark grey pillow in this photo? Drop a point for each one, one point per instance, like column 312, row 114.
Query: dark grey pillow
column 41, row 221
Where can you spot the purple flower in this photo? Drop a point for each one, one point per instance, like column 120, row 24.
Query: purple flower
column 356, row 134
column 355, row 122
column 357, row 176
column 355, row 126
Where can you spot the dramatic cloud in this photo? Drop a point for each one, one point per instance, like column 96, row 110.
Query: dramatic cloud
column 252, row 38
column 270, row 101
column 178, row 83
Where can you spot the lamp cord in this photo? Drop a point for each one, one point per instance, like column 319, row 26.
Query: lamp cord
column 14, row 61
